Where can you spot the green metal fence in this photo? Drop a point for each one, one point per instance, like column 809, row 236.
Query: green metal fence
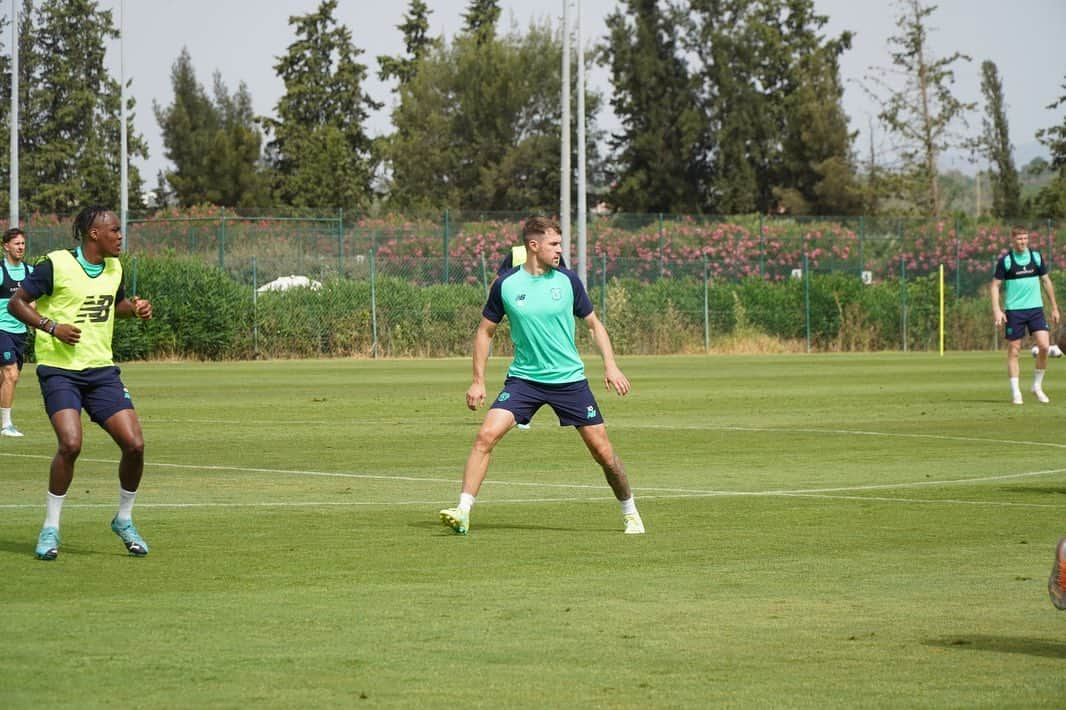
column 699, row 261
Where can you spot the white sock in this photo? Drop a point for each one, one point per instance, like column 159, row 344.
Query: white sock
column 466, row 502
column 629, row 506
column 5, row 416
column 125, row 503
column 1038, row 378
column 53, row 507
column 1015, row 389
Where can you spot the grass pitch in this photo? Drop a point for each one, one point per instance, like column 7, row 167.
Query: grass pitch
column 823, row 531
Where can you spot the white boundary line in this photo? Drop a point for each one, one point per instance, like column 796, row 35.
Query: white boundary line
column 650, row 492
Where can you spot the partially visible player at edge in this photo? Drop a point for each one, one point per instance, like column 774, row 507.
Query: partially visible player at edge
column 78, row 294
column 541, row 301
column 1022, row 272
column 1056, row 584
column 13, row 333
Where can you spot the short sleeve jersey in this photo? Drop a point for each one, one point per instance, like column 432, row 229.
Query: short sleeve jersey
column 12, row 278
column 541, row 310
column 1020, row 274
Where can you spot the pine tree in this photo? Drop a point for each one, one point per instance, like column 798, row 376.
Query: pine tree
column 656, row 152
column 480, row 20
column 320, row 153
column 76, row 160
column 417, row 43
column 1051, row 200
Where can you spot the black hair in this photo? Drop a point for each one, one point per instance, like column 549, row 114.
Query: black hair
column 85, row 219
column 12, row 233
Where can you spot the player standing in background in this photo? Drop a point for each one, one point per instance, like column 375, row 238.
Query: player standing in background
column 12, row 331
column 541, row 301
column 78, row 294
column 1022, row 272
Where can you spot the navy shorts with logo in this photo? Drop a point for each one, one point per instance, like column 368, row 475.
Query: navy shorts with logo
column 572, row 402
column 97, row 390
column 12, row 346
column 1025, row 318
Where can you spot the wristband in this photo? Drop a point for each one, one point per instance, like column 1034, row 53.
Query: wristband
column 52, row 330
column 43, row 323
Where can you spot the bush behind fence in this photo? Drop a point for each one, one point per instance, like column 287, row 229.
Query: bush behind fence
column 414, row 288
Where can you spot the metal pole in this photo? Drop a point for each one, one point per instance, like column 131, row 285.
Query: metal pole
column 13, row 216
column 124, row 198
column 582, row 200
column 564, row 157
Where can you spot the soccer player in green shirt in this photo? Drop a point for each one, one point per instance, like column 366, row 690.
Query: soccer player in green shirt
column 541, row 301
column 78, row 294
column 1022, row 272
column 13, row 270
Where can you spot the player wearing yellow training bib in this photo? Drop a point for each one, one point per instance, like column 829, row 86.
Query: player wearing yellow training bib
column 72, row 299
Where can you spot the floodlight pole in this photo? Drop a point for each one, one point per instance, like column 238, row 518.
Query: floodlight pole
column 124, row 199
column 13, row 200
column 582, row 201
column 564, row 156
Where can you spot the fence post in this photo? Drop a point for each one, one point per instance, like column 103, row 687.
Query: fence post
column 603, row 291
column 373, row 308
column 255, row 311
column 862, row 244
column 447, row 226
column 762, row 249
column 133, row 285
column 340, row 241
column 222, row 240
column 807, row 297
column 903, row 299
column 958, row 257
column 662, row 263
column 706, row 310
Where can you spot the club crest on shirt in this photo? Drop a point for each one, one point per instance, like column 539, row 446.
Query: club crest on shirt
column 556, row 294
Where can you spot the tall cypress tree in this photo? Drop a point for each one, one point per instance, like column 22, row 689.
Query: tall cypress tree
column 995, row 141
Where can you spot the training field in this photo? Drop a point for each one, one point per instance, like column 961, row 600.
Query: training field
column 823, row 530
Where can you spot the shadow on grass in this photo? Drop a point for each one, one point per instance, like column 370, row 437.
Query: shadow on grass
column 1003, row 644
column 437, row 525
column 1035, row 490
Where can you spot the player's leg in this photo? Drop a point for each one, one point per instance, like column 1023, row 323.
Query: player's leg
column 1043, row 343
column 9, row 377
column 599, row 445
column 1014, row 331
column 110, row 406
column 1056, row 584
column 496, row 424
column 67, row 426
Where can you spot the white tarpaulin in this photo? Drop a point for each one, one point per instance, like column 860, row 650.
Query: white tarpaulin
column 284, row 283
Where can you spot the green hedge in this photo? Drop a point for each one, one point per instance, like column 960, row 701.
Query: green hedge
column 201, row 312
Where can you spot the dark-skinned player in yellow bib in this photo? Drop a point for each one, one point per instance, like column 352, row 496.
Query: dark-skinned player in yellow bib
column 72, row 299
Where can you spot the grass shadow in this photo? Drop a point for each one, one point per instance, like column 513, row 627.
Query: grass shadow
column 1003, row 644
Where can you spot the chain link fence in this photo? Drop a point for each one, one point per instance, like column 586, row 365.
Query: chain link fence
column 401, row 286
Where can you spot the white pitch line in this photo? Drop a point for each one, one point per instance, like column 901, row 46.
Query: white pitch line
column 845, row 432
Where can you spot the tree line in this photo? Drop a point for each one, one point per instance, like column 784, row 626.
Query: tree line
column 723, row 107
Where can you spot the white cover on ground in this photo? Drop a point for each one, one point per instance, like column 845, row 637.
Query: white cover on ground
column 284, row 283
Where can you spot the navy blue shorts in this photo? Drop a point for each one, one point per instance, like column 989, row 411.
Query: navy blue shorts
column 98, row 390
column 12, row 346
column 572, row 402
column 1025, row 318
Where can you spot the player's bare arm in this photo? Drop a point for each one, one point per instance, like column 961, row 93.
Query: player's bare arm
column 998, row 316
column 22, row 307
column 1049, row 289
column 613, row 378
column 475, row 394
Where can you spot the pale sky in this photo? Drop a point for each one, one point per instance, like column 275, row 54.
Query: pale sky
column 243, row 38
